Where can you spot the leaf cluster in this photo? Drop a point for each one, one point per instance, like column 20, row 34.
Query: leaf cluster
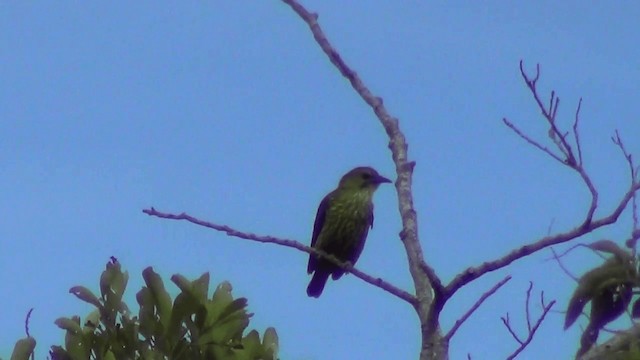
column 190, row 327
column 609, row 287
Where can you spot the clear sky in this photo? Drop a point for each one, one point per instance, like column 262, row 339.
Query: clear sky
column 229, row 111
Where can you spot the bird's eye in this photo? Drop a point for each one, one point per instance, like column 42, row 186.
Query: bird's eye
column 366, row 176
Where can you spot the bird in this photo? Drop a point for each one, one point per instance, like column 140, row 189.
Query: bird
column 342, row 223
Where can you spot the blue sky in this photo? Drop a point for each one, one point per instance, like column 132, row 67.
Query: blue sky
column 229, row 111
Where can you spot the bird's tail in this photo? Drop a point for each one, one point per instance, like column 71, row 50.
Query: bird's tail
column 317, row 283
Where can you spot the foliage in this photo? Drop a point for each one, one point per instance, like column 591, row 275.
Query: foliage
column 609, row 288
column 192, row 326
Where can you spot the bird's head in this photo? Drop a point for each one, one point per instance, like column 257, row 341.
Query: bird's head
column 362, row 178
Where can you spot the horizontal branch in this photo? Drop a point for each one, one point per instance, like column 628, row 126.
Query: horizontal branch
column 586, row 227
column 378, row 282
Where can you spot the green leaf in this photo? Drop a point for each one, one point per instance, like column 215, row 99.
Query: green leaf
column 146, row 313
column 58, row 353
column 223, row 293
column 612, row 271
column 91, row 321
column 112, row 285
column 23, row 349
column 237, row 305
column 183, row 307
column 106, row 279
column 71, row 325
column 251, row 347
column 270, row 343
column 86, row 295
column 200, row 287
column 161, row 297
column 75, row 347
column 182, row 283
column 610, row 301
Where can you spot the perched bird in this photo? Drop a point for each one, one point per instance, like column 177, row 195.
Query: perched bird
column 342, row 223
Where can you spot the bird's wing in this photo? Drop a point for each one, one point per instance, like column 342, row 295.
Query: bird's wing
column 317, row 227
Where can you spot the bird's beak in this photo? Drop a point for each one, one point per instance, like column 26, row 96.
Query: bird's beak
column 381, row 179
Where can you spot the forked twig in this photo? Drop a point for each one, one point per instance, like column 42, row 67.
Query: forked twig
column 531, row 330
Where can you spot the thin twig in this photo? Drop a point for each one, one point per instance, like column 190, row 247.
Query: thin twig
column 576, row 133
column 588, row 224
column 526, row 306
column 594, row 194
column 507, row 323
column 531, row 141
column 559, row 138
column 475, row 307
column 378, row 282
column 633, row 171
column 579, row 245
column 564, row 268
column 26, row 322
column 531, row 330
column 550, row 113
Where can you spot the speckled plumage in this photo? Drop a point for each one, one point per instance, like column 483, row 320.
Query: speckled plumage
column 342, row 224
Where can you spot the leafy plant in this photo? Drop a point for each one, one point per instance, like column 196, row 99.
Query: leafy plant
column 191, row 327
column 609, row 288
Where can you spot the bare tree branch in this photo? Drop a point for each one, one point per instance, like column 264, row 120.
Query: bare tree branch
column 526, row 306
column 531, row 141
column 378, row 282
column 436, row 283
column 588, row 225
column 576, row 133
column 431, row 346
column 507, row 323
column 473, row 273
column 558, row 138
column 549, row 113
column 475, row 306
column 617, row 140
column 531, row 330
column 633, row 172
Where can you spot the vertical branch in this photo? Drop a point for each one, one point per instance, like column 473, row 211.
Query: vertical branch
column 432, row 340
